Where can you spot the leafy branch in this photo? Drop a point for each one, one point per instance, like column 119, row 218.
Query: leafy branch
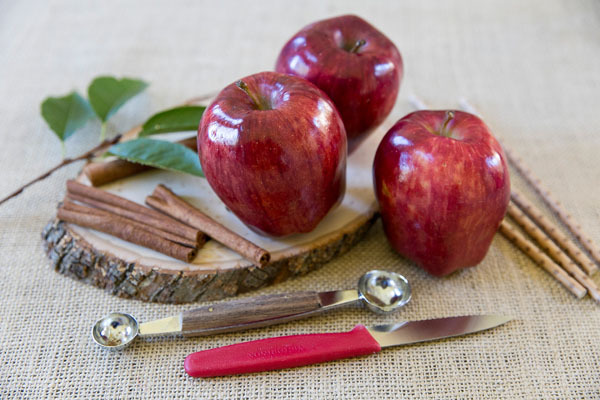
column 67, row 114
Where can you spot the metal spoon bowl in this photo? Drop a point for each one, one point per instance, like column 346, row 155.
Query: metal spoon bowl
column 115, row 330
column 384, row 291
column 379, row 291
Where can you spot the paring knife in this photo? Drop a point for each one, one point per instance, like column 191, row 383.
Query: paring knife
column 298, row 350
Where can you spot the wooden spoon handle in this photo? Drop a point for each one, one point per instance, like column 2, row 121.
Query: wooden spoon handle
column 248, row 313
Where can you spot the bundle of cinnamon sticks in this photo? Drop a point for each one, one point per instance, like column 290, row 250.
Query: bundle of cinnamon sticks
column 178, row 229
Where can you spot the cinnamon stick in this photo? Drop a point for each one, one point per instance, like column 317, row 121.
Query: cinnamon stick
column 554, row 232
column 101, row 173
column 68, row 204
column 168, row 202
column 123, row 229
column 196, row 238
column 541, row 259
column 141, row 213
column 553, row 250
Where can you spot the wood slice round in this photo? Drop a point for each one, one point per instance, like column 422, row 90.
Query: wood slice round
column 132, row 271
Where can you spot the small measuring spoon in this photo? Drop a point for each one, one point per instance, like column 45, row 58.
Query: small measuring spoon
column 380, row 291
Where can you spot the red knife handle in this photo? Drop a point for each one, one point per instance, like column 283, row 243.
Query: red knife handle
column 281, row 352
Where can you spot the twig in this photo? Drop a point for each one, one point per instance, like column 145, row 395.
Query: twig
column 87, row 155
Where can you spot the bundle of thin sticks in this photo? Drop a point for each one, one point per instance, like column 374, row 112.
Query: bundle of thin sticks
column 177, row 229
column 548, row 246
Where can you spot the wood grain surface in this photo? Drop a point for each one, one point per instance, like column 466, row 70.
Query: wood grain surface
column 246, row 313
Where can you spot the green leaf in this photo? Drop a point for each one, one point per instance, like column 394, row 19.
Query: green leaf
column 185, row 118
column 159, row 154
column 107, row 94
column 64, row 115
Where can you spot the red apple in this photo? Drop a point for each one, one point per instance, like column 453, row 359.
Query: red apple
column 273, row 148
column 356, row 65
column 442, row 184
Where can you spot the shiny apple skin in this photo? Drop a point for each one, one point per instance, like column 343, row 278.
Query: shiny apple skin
column 363, row 85
column 441, row 198
column 279, row 170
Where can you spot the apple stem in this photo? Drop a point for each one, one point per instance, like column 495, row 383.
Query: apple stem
column 359, row 43
column 449, row 117
column 242, row 85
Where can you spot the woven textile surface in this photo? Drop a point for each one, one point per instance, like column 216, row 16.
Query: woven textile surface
column 530, row 67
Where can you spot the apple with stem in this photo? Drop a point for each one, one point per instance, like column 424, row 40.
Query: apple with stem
column 443, row 186
column 273, row 148
column 358, row 67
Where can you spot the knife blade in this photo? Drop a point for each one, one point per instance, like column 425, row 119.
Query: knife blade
column 298, row 350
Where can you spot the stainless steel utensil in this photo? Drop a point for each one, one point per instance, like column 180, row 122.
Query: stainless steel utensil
column 380, row 291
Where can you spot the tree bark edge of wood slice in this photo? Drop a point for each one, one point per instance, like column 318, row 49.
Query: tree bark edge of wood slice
column 71, row 255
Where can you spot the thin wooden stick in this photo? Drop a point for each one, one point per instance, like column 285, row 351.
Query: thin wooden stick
column 553, row 250
column 553, row 204
column 542, row 259
column 554, row 232
column 87, row 155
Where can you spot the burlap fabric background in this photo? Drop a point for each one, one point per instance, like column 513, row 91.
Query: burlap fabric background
column 532, row 68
